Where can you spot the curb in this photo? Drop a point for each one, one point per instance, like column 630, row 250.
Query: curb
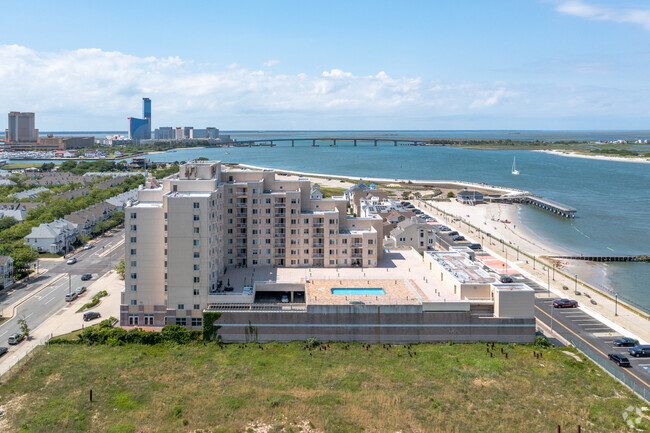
column 17, row 304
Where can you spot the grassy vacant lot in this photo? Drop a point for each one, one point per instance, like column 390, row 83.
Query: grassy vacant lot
column 331, row 191
column 438, row 388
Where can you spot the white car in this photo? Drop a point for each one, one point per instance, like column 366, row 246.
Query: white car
column 72, row 260
column 285, row 299
column 88, row 246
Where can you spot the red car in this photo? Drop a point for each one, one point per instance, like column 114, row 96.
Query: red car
column 565, row 303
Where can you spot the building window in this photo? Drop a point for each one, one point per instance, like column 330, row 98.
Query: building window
column 197, row 279
column 197, row 321
column 148, row 319
column 196, row 242
column 135, row 215
column 134, row 302
column 181, row 321
column 197, row 267
column 133, row 251
column 134, row 276
column 134, row 227
column 134, row 263
column 197, row 255
column 196, row 217
column 196, row 293
column 134, row 288
column 371, row 242
column 134, row 240
column 196, row 230
column 196, row 205
column 180, row 307
column 197, row 306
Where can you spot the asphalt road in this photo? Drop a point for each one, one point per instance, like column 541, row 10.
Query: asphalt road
column 36, row 308
column 590, row 335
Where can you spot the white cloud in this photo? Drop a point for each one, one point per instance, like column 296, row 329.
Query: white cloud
column 602, row 13
column 271, row 62
column 92, row 89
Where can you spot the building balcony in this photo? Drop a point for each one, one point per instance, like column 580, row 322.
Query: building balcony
column 241, row 215
column 318, row 235
column 241, row 235
column 280, row 215
column 279, row 204
column 242, row 255
column 318, row 245
column 241, row 194
column 356, row 245
column 356, row 255
column 279, row 235
column 241, row 244
column 318, row 255
column 279, row 245
column 317, row 225
column 241, row 225
column 242, row 204
column 279, row 255
column 279, row 225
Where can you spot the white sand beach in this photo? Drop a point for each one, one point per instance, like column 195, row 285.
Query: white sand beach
column 601, row 157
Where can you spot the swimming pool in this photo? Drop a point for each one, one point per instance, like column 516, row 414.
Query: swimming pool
column 365, row 291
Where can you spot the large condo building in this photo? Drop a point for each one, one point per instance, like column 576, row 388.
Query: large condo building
column 184, row 234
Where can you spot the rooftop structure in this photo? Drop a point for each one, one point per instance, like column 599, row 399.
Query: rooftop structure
column 140, row 129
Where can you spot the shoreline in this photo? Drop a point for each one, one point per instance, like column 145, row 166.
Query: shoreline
column 599, row 157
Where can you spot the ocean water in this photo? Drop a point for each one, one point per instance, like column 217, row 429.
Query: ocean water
column 612, row 198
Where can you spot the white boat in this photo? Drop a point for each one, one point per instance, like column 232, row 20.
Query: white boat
column 514, row 168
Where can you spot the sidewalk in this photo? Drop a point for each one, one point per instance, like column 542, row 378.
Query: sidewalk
column 68, row 320
column 604, row 309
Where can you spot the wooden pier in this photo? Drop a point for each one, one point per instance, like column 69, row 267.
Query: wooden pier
column 331, row 140
column 527, row 198
column 603, row 258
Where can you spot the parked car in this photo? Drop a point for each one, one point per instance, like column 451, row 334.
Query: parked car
column 640, row 350
column 72, row 260
column 79, row 290
column 565, row 303
column 506, row 279
column 458, row 238
column 88, row 246
column 626, row 342
column 71, row 297
column 16, row 338
column 86, row 277
column 285, row 299
column 91, row 315
column 3, row 350
column 621, row 360
column 475, row 247
column 453, row 233
column 444, row 229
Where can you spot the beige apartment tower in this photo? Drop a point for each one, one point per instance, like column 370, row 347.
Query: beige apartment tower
column 184, row 233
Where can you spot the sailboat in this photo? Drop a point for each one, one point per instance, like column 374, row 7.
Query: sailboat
column 514, row 168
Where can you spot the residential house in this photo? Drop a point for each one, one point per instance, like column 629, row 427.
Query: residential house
column 57, row 236
column 6, row 271
column 121, row 200
column 29, row 194
column 316, row 193
column 470, row 197
column 414, row 233
column 18, row 211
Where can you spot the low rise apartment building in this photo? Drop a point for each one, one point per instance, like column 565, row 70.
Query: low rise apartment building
column 18, row 211
column 55, row 237
column 414, row 233
column 184, row 234
column 87, row 219
column 6, row 271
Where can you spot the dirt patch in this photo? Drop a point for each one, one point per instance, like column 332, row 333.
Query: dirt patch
column 8, row 409
column 573, row 355
column 483, row 382
column 264, row 427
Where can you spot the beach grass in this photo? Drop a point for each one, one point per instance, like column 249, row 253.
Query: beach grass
column 332, row 191
column 285, row 387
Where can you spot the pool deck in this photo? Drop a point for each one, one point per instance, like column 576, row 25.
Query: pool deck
column 401, row 273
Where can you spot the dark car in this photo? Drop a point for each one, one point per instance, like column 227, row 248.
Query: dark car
column 626, row 342
column 454, row 233
column 475, row 247
column 85, row 277
column 444, row 229
column 3, row 350
column 565, row 303
column 506, row 279
column 458, row 238
column 640, row 350
column 621, row 360
column 90, row 315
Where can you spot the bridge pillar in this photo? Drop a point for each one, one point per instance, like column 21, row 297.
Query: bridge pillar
column 333, row 142
column 395, row 142
column 313, row 143
column 293, row 144
column 355, row 143
column 375, row 143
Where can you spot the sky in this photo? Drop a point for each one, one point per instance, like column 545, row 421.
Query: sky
column 329, row 65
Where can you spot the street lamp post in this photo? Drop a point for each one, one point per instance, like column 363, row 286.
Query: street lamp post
column 553, row 271
column 69, row 283
column 576, row 287
column 615, row 304
column 548, row 281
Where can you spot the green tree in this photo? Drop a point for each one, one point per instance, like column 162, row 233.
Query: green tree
column 451, row 195
column 24, row 327
column 405, row 195
column 7, row 222
column 119, row 268
column 47, row 166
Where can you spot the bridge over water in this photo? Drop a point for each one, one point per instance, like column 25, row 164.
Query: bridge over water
column 528, row 198
column 331, row 140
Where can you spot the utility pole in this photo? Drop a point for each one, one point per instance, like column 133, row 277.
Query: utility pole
column 69, row 283
column 548, row 280
column 616, row 304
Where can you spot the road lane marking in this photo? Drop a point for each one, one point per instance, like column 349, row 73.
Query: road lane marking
column 45, row 303
column 553, row 319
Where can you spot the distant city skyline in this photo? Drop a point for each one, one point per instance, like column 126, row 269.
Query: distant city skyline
column 548, row 64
